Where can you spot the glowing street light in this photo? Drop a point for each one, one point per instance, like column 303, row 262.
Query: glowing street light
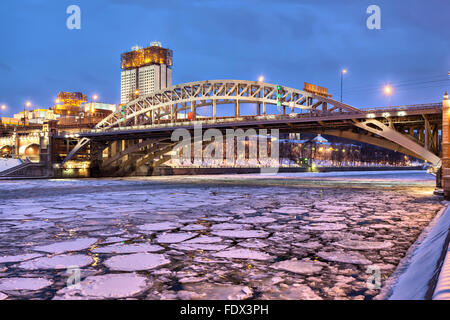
column 3, row 107
column 261, row 79
column 388, row 91
column 343, row 71
column 95, row 97
column 27, row 105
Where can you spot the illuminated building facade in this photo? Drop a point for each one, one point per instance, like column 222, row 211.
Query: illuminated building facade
column 69, row 103
column 145, row 70
column 70, row 108
column 97, row 106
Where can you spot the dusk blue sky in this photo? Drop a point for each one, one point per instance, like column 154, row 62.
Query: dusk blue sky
column 287, row 41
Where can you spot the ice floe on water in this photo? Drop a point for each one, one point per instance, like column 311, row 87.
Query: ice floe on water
column 294, row 292
column 136, row 262
column 109, row 233
column 57, row 262
column 243, row 254
column 108, row 286
column 228, row 226
column 199, row 246
column 363, row 245
column 325, row 218
column 344, row 257
column 241, row 234
column 66, row 246
column 309, row 245
column 193, row 227
column 113, row 240
column 256, row 220
column 209, row 291
column 256, row 244
column 290, row 210
column 219, row 219
column 15, row 283
column 297, row 266
column 160, row 226
column 175, row 237
column 205, row 239
column 128, row 248
column 325, row 226
column 18, row 258
column 34, row 225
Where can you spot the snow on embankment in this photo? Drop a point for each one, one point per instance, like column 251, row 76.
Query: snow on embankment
column 411, row 280
column 5, row 164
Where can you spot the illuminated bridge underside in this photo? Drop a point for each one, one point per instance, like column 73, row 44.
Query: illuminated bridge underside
column 391, row 134
column 412, row 130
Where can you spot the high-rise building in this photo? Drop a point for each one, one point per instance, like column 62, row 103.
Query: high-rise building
column 145, row 70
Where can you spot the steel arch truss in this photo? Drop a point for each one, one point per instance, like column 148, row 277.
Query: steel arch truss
column 168, row 105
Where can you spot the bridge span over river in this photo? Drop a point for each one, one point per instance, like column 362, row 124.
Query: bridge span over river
column 141, row 131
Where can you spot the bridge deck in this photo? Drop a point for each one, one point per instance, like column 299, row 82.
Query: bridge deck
column 400, row 114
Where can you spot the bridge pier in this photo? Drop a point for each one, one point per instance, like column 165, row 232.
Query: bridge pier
column 446, row 146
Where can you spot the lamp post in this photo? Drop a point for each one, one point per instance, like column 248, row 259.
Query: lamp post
column 26, row 105
column 258, row 105
column 2, row 108
column 388, row 91
column 343, row 71
column 94, row 99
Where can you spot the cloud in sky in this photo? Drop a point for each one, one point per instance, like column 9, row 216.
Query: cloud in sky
column 289, row 41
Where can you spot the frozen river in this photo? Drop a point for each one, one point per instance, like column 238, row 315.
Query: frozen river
column 291, row 236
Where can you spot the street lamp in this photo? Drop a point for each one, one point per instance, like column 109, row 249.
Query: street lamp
column 27, row 105
column 94, row 99
column 260, row 78
column 3, row 107
column 388, row 91
column 343, row 71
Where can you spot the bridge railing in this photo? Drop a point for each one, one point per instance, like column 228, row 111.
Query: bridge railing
column 404, row 107
column 219, row 120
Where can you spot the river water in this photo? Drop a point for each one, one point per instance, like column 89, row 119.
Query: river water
column 290, row 236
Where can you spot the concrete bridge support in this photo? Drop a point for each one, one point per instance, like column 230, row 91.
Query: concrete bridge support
column 446, row 146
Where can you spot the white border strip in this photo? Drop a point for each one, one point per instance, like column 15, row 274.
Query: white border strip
column 442, row 291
